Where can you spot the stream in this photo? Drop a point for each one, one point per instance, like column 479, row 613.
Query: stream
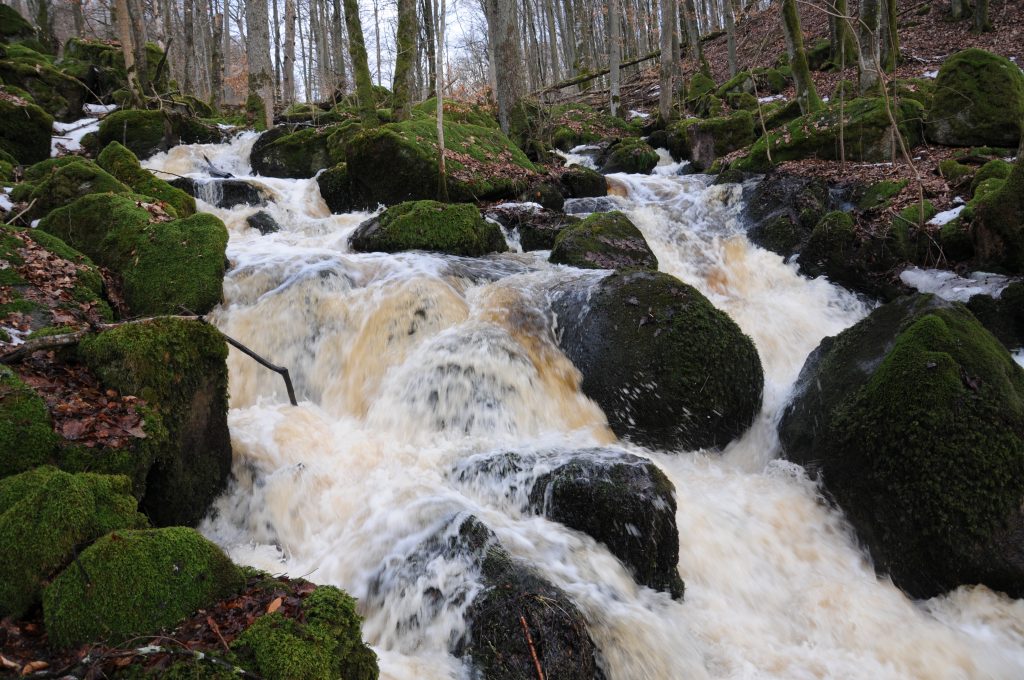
column 409, row 366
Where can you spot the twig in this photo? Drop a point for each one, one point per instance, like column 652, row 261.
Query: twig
column 533, row 650
column 27, row 208
column 216, row 629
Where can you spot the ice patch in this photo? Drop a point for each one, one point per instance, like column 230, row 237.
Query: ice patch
column 1018, row 356
column 948, row 286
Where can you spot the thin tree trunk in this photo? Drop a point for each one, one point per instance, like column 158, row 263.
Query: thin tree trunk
column 442, row 173
column 956, row 8
column 376, row 37
column 138, row 27
column 216, row 62
column 78, row 17
column 277, row 49
column 431, row 44
column 360, row 67
column 693, row 31
column 226, row 49
column 840, row 33
column 549, row 16
column 405, row 49
column 503, row 32
column 665, row 97
column 338, row 49
column 614, row 53
column 187, row 29
column 806, row 95
column 288, row 59
column 261, row 76
column 890, row 41
column 868, row 55
column 730, row 30
column 981, row 21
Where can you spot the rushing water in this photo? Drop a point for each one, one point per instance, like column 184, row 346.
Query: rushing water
column 407, row 366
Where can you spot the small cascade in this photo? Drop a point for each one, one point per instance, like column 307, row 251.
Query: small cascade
column 412, row 368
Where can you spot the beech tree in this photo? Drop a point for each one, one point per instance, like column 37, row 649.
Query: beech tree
column 869, row 61
column 360, row 66
column 261, row 76
column 503, row 37
column 806, row 95
column 404, row 53
column 614, row 54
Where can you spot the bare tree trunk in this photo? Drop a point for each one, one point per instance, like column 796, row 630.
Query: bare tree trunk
column 261, row 76
column 376, row 37
column 288, row 59
column 338, row 49
column 442, row 173
column 405, row 51
column 187, row 29
column 306, row 66
column 277, row 49
column 430, row 43
column 692, row 31
column 549, row 16
column 360, row 67
column 730, row 30
column 868, row 56
column 956, row 8
column 226, row 49
column 136, row 15
column 614, row 52
column 503, row 35
column 216, row 62
column 78, row 17
column 806, row 95
column 665, row 97
column 840, row 33
column 890, row 41
column 981, row 21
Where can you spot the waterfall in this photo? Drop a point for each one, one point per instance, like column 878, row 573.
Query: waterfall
column 410, row 366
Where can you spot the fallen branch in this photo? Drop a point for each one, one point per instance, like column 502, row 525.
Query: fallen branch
column 533, row 650
column 27, row 208
column 592, row 76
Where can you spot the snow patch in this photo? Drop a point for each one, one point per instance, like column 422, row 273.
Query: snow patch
column 930, row 74
column 68, row 137
column 99, row 109
column 947, row 216
column 5, row 201
column 638, row 114
column 948, row 286
column 1018, row 356
column 771, row 98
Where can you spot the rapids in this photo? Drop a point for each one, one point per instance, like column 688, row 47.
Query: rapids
column 407, row 366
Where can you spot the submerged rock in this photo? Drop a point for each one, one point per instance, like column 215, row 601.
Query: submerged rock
column 263, row 222
column 428, row 225
column 222, row 193
column 913, row 418
column 45, row 516
column 133, row 583
column 978, row 100
column 669, row 370
column 603, row 241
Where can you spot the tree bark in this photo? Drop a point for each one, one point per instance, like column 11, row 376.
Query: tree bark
column 360, row 67
column 503, row 34
column 549, row 16
column 442, row 173
column 840, row 33
column 216, row 62
column 277, row 49
column 614, row 53
column 981, row 21
column 404, row 53
column 692, row 31
column 730, row 32
column 868, row 57
column 890, row 40
column 188, row 33
column 665, row 96
column 288, row 59
column 78, row 17
column 338, row 49
column 261, row 76
column 956, row 8
column 806, row 95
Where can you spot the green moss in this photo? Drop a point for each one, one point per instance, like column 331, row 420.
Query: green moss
column 45, row 516
column 26, row 131
column 13, row 26
column 955, row 240
column 69, row 182
column 581, row 182
column 937, row 435
column 122, row 164
column 325, row 646
column 997, row 169
column 998, row 220
column 880, row 194
column 603, row 241
column 630, row 155
column 978, row 100
column 133, row 583
column 831, row 248
column 165, row 266
column 53, row 90
column 908, row 232
column 298, row 154
column 27, row 438
column 101, row 65
column 335, row 188
column 956, row 174
column 144, row 132
column 866, row 133
column 456, row 229
column 457, row 112
column 714, row 137
column 44, row 169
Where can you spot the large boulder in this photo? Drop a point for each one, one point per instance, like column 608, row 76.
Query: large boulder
column 122, row 164
column 13, row 26
column 603, row 241
column 711, row 138
column 26, row 131
column 865, row 127
column 100, row 65
column 978, row 100
column 914, row 420
column 67, row 182
column 27, row 438
column 178, row 367
column 581, row 182
column 670, row 371
column 54, row 91
column 455, row 229
column 150, row 132
column 222, row 193
column 297, row 154
column 399, row 162
column 132, row 583
column 166, row 265
column 618, row 499
column 537, row 227
column 629, row 155
column 782, row 209
column 998, row 221
column 46, row 515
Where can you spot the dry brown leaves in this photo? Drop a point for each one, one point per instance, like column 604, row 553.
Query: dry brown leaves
column 500, row 167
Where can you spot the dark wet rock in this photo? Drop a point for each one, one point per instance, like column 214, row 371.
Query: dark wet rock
column 581, row 182
column 537, row 227
column 547, row 194
column 711, row 138
column 1002, row 316
column 263, row 223
column 914, row 420
column 222, row 193
column 582, row 206
column 669, row 370
column 295, row 153
column 782, row 210
column 618, row 499
column 149, row 132
column 603, row 241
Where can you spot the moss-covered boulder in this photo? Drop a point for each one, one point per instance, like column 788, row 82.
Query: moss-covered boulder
column 670, row 371
column 978, row 100
column 179, row 368
column 866, row 132
column 603, row 241
column 714, row 137
column 455, row 229
column 326, row 644
column 54, row 91
column 26, row 131
column 166, row 265
column 569, row 125
column 67, row 182
column 122, row 164
column 150, row 132
column 914, row 419
column 46, row 516
column 13, row 26
column 629, row 155
column 783, row 209
column 27, row 438
column 458, row 112
column 1002, row 315
column 297, row 154
column 132, row 583
column 398, row 162
column 879, row 195
column 537, row 227
column 833, row 250
column 998, row 221
column 581, row 182
column 994, row 169
column 100, row 65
